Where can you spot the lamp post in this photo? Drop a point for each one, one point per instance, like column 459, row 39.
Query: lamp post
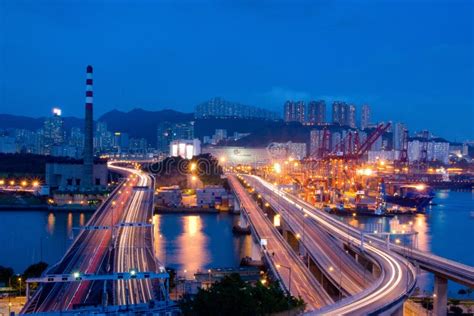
column 19, row 280
column 209, row 275
column 289, row 276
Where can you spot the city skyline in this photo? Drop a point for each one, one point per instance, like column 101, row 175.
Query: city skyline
column 205, row 157
column 393, row 65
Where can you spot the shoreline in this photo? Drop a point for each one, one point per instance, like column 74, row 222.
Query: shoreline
column 45, row 207
column 192, row 211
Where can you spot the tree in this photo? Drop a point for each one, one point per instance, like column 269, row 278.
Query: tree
column 232, row 296
column 35, row 270
column 456, row 310
column 427, row 303
column 462, row 292
column 5, row 274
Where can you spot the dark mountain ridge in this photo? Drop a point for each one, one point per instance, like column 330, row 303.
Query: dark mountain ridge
column 138, row 123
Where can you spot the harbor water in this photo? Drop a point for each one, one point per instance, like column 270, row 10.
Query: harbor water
column 189, row 243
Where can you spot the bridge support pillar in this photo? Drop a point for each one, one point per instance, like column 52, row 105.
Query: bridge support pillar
column 256, row 251
column 236, row 204
column 243, row 222
column 440, row 302
column 398, row 311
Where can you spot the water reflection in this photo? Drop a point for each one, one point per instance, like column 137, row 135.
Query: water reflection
column 193, row 244
column 40, row 235
column 159, row 245
column 198, row 242
column 423, row 237
column 69, row 224
column 82, row 219
column 51, row 222
column 443, row 230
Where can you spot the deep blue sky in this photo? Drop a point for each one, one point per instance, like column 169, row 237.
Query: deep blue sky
column 411, row 60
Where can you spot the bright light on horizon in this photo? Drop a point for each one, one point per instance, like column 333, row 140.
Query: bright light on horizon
column 57, row 111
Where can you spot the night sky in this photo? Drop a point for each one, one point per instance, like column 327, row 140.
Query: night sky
column 411, row 60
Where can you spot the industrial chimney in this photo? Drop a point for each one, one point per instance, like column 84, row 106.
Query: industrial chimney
column 88, row 130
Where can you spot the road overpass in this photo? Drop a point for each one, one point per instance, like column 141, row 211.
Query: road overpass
column 336, row 264
column 443, row 270
column 104, row 251
column 287, row 266
column 398, row 276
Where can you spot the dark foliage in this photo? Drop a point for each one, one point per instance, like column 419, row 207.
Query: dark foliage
column 5, row 274
column 35, row 270
column 141, row 123
column 233, row 296
column 174, row 170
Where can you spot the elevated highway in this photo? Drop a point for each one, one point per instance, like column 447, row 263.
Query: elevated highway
column 290, row 269
column 387, row 293
column 349, row 276
column 442, row 267
column 104, row 251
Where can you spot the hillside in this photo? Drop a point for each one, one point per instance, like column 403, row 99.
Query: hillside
column 31, row 123
column 142, row 123
column 137, row 123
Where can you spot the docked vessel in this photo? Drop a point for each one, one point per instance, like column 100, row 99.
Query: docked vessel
column 416, row 196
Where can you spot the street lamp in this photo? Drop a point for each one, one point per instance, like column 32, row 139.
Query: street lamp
column 289, row 275
column 19, row 280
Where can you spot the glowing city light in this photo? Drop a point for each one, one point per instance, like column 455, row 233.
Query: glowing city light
column 57, row 111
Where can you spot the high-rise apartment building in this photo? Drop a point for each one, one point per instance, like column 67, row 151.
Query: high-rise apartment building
column 166, row 132
column 164, row 136
column 351, row 116
column 220, row 108
column 294, row 111
column 339, row 112
column 53, row 131
column 365, row 116
column 183, row 130
column 398, row 132
column 316, row 112
column 104, row 138
column 76, row 138
column 344, row 114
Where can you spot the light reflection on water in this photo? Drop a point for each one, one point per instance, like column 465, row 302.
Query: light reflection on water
column 30, row 236
column 69, row 224
column 192, row 244
column 447, row 229
column 182, row 242
column 51, row 223
column 82, row 219
column 197, row 242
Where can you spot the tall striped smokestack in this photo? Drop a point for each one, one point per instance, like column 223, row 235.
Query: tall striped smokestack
column 88, row 130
